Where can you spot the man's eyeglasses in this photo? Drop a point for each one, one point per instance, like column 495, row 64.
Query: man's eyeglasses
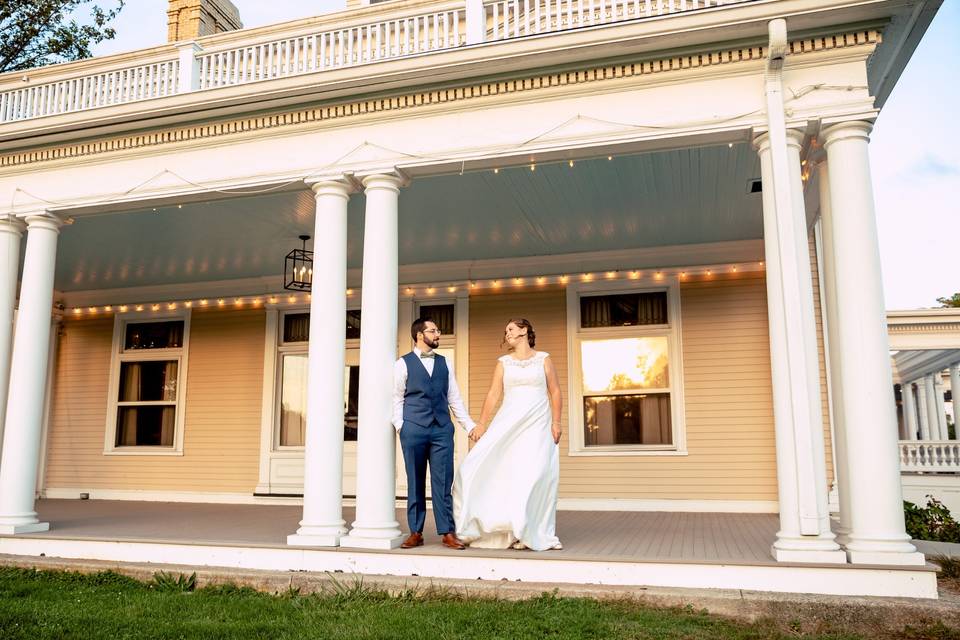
column 433, row 331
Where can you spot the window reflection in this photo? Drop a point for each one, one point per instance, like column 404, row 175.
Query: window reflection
column 624, row 364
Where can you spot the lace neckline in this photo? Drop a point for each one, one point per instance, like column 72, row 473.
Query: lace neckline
column 536, row 357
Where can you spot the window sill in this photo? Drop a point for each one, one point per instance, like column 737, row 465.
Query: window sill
column 144, row 451
column 590, row 453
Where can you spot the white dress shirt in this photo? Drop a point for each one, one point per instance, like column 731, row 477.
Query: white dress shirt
column 453, row 392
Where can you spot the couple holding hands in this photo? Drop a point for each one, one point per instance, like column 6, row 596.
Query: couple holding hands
column 505, row 492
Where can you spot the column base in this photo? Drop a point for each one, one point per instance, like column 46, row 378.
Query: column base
column 307, row 540
column 913, row 559
column 809, row 556
column 27, row 527
column 359, row 542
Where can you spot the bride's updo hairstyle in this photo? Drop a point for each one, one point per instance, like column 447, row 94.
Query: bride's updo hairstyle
column 523, row 323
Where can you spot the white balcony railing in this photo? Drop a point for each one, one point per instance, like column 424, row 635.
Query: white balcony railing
column 930, row 455
column 190, row 68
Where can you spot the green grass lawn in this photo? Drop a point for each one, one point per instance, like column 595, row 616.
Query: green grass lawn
column 42, row 604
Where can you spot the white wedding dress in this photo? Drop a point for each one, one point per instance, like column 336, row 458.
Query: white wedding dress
column 505, row 491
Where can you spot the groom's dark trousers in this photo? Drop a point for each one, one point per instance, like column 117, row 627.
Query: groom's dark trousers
column 426, row 437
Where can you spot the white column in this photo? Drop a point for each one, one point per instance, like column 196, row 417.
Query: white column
column 938, row 392
column 831, row 306
column 11, row 230
column 930, row 399
column 909, row 410
column 323, row 523
column 804, row 534
column 877, row 534
column 28, row 376
column 922, row 410
column 376, row 525
column 955, row 397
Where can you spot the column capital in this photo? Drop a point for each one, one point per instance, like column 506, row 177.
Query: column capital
column 795, row 138
column 392, row 180
column 43, row 220
column 845, row 131
column 341, row 186
column 12, row 224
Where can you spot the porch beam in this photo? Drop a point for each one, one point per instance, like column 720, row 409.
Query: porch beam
column 20, row 458
column 323, row 523
column 376, row 526
column 878, row 534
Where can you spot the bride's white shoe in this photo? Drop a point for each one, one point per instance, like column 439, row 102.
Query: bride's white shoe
column 519, row 546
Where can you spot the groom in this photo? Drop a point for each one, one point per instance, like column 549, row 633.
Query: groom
column 424, row 392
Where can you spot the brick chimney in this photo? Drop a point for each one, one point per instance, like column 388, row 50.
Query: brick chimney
column 191, row 19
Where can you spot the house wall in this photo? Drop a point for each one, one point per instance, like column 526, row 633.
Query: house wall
column 729, row 408
column 222, row 419
column 728, row 401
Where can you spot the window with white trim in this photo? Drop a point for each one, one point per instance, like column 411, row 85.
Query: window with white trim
column 292, row 361
column 147, row 384
column 625, row 377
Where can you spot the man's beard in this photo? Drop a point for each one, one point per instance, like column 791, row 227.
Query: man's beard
column 433, row 344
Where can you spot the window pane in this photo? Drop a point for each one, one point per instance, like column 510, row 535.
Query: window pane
column 148, row 381
column 635, row 419
column 624, row 364
column 623, row 310
column 296, row 326
column 145, row 426
column 442, row 315
column 154, row 335
column 293, row 401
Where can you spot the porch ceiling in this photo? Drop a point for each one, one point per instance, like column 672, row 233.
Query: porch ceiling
column 666, row 198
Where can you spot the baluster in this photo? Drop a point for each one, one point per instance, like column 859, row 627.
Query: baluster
column 4, row 103
column 569, row 13
column 496, row 21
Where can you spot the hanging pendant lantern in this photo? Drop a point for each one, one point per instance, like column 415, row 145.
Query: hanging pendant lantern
column 298, row 268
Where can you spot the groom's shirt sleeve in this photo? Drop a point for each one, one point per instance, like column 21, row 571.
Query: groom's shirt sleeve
column 399, row 389
column 456, row 403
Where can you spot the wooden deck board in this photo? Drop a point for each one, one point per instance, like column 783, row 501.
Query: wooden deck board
column 608, row 535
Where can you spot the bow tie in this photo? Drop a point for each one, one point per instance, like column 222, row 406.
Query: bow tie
column 427, row 355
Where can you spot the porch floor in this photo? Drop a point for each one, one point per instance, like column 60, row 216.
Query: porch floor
column 649, row 549
column 722, row 538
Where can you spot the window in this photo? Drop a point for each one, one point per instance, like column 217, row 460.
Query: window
column 442, row 314
column 292, row 427
column 625, row 392
column 146, row 391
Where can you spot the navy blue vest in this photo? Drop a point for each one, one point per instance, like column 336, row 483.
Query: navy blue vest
column 425, row 399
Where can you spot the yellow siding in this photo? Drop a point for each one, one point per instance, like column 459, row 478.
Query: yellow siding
column 222, row 420
column 729, row 409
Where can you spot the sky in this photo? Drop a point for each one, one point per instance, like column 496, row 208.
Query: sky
column 914, row 151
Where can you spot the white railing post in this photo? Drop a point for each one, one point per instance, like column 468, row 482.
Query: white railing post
column 189, row 76
column 476, row 22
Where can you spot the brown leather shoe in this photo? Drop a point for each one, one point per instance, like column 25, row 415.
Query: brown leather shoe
column 451, row 541
column 415, row 540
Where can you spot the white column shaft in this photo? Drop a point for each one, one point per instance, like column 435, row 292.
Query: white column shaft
column 832, row 306
column 376, row 524
column 938, row 391
column 877, row 531
column 955, row 398
column 322, row 523
column 909, row 410
column 805, row 533
column 930, row 398
column 10, row 232
column 28, row 375
column 922, row 410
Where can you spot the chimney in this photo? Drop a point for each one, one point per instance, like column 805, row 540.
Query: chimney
column 191, row 19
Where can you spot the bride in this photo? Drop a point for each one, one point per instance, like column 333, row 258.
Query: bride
column 505, row 491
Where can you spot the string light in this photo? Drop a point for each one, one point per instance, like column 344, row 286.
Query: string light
column 609, row 157
column 570, row 162
column 519, row 281
column 533, row 167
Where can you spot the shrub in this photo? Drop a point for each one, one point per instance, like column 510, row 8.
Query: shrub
column 932, row 522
